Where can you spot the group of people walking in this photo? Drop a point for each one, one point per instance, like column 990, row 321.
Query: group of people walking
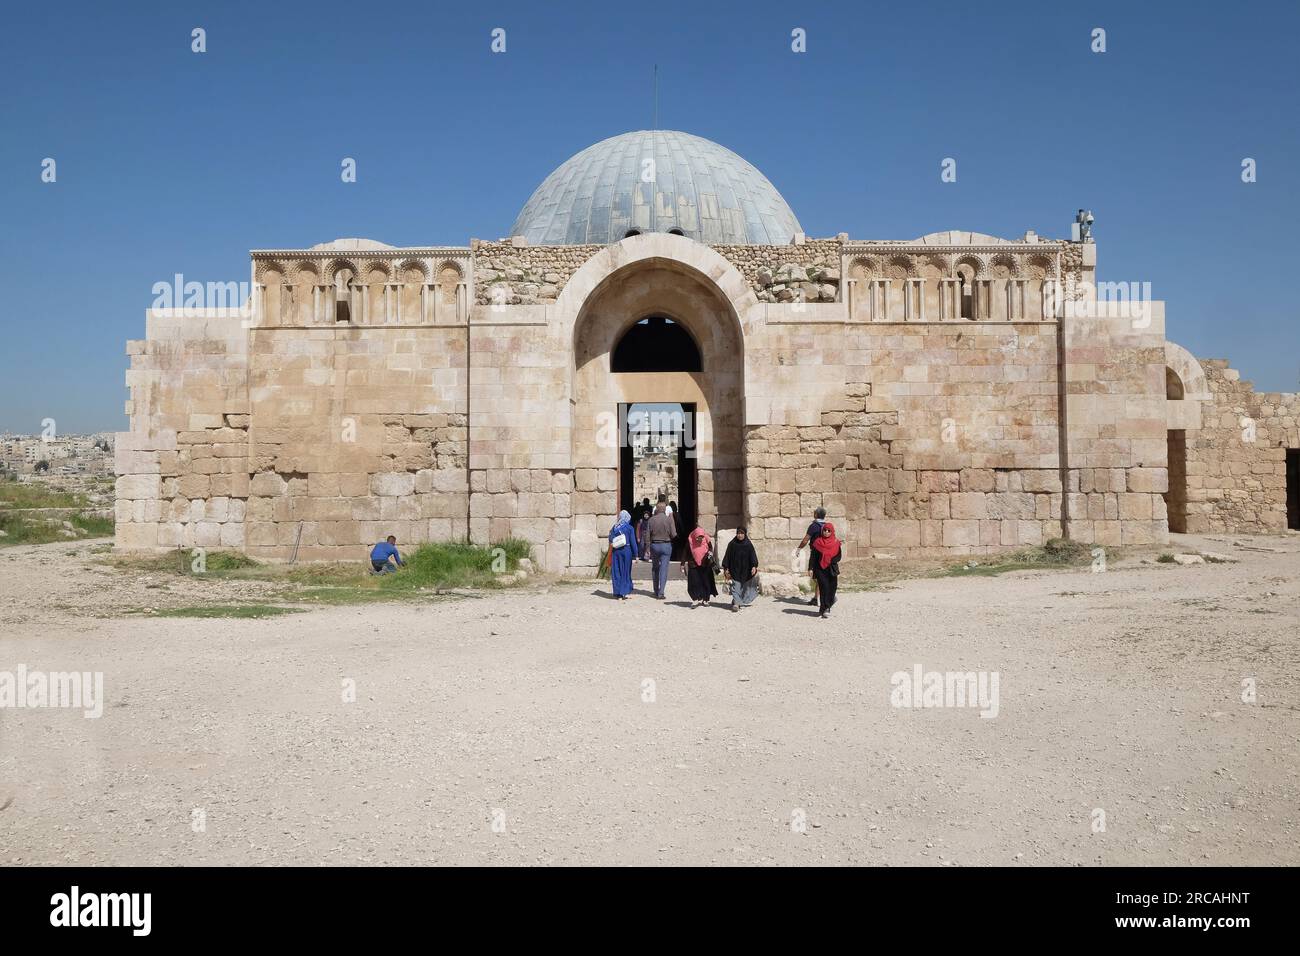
column 652, row 534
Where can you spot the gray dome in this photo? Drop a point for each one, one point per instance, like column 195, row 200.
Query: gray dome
column 702, row 189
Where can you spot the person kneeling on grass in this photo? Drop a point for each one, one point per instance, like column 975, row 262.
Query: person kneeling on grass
column 740, row 565
column 384, row 552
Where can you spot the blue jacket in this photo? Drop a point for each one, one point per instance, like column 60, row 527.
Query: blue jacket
column 383, row 551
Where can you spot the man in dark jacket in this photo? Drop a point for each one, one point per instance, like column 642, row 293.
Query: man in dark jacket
column 662, row 531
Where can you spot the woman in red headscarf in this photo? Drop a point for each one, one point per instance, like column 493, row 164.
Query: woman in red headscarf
column 701, row 582
column 826, row 566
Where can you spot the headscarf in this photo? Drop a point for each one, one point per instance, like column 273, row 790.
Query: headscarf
column 623, row 527
column 700, row 542
column 828, row 546
column 741, row 559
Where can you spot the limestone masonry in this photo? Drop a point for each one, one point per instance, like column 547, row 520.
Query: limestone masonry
column 955, row 393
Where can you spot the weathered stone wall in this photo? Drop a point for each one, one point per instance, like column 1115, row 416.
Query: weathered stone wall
column 520, row 463
column 1116, row 424
column 808, row 272
column 943, row 439
column 941, row 436
column 947, row 438
column 524, row 275
column 528, row 275
column 188, row 382
column 1236, row 460
column 319, row 440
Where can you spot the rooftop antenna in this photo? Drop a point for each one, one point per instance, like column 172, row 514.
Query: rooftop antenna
column 656, row 97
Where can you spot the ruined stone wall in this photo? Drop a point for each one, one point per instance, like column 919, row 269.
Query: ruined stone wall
column 524, row 275
column 808, row 272
column 1236, row 461
column 528, row 275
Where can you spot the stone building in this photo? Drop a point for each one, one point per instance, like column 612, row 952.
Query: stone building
column 956, row 393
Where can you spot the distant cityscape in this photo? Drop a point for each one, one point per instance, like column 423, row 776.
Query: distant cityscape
column 69, row 456
column 655, row 464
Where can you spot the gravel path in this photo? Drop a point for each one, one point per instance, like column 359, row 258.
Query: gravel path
column 526, row 714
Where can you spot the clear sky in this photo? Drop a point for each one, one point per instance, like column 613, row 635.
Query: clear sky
column 170, row 161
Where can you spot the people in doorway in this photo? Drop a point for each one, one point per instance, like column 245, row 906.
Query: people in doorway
column 661, row 533
column 701, row 582
column 826, row 567
column 679, row 532
column 740, row 570
column 643, row 531
column 622, row 550
column 812, row 534
column 383, row 553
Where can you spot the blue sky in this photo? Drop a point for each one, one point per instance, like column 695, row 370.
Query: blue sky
column 171, row 161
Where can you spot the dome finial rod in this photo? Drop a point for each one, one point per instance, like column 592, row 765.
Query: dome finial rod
column 655, row 124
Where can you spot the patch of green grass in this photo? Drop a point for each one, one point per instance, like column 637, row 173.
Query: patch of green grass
column 16, row 495
column 987, row 570
column 456, row 564
column 229, row 561
column 228, row 610
column 1166, row 558
column 334, row 595
column 328, row 575
column 1056, row 553
column 181, row 561
column 21, row 529
column 92, row 526
column 429, row 568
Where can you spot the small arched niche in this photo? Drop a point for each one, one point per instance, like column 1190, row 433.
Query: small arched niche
column 656, row 344
column 1174, row 390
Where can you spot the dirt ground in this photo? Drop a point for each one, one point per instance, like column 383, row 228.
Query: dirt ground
column 555, row 725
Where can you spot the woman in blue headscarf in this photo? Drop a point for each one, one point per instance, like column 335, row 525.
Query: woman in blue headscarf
column 622, row 550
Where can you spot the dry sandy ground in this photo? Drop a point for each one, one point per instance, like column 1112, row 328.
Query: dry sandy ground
column 1118, row 691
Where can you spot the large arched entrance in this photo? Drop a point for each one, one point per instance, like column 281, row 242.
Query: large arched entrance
column 656, row 334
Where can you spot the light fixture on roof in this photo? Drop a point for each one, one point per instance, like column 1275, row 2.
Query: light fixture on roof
column 1082, row 229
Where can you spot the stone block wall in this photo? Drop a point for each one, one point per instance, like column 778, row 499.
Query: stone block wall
column 315, row 442
column 1236, row 460
column 520, row 449
column 943, row 439
column 188, row 407
column 1116, row 423
column 920, row 437
column 946, row 437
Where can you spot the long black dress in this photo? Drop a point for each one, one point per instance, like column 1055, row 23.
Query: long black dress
column 827, row 578
column 701, row 582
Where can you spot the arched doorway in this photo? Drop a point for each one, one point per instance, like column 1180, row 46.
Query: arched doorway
column 656, row 333
column 1176, row 496
column 658, row 454
column 656, row 344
